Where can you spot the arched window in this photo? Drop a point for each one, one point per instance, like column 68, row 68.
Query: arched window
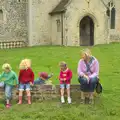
column 19, row 0
column 113, row 18
column 58, row 25
column 111, row 12
column 1, row 15
column 22, row 1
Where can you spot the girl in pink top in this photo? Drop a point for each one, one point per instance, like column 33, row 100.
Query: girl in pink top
column 65, row 80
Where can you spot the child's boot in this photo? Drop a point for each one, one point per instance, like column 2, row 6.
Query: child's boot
column 29, row 100
column 62, row 99
column 69, row 100
column 20, row 100
column 8, row 105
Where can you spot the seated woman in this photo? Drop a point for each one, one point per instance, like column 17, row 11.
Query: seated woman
column 88, row 71
column 43, row 77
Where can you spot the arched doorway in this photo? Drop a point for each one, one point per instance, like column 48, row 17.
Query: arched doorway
column 86, row 31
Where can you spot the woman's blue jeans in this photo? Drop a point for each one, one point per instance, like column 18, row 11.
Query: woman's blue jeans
column 87, row 87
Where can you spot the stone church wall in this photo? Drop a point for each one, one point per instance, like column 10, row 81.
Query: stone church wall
column 13, row 20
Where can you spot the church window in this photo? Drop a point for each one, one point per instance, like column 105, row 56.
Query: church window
column 1, row 15
column 111, row 12
column 58, row 25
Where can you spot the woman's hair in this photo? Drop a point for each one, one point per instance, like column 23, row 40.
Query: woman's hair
column 26, row 63
column 87, row 52
column 6, row 66
column 62, row 64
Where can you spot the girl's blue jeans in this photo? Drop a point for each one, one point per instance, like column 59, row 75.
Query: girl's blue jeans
column 8, row 91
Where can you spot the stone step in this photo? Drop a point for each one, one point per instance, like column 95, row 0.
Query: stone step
column 45, row 92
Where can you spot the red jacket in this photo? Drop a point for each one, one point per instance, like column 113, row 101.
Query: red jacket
column 26, row 76
column 67, row 74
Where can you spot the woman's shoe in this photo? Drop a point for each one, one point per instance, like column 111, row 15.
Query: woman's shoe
column 82, row 101
column 91, row 101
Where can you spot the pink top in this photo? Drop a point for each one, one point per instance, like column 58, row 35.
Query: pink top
column 67, row 75
column 94, row 68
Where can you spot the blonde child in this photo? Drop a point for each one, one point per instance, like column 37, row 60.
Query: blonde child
column 26, row 79
column 65, row 80
column 10, row 80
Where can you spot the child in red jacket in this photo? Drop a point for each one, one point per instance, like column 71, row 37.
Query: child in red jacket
column 26, row 79
column 65, row 80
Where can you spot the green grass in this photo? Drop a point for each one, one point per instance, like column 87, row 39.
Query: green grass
column 46, row 58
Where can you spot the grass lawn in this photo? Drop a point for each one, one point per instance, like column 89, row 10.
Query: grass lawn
column 46, row 58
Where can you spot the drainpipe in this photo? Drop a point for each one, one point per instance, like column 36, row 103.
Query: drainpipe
column 62, row 29
column 29, row 23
